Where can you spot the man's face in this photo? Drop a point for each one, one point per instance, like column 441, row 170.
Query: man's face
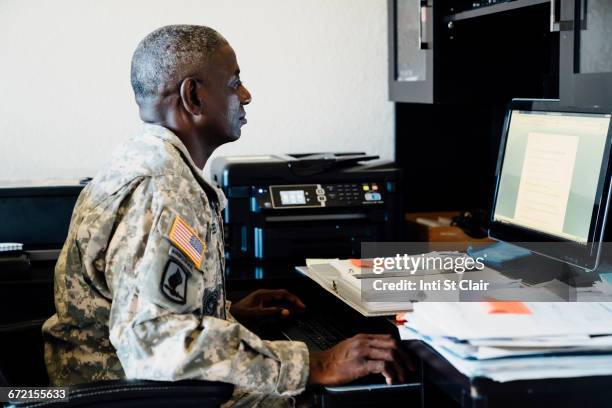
column 226, row 114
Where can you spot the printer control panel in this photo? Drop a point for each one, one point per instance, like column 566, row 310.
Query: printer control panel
column 320, row 195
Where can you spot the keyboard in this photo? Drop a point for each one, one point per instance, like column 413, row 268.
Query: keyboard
column 317, row 333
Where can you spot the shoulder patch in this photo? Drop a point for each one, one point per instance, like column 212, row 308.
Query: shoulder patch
column 185, row 238
column 174, row 282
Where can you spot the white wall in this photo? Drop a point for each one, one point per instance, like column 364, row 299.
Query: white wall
column 317, row 70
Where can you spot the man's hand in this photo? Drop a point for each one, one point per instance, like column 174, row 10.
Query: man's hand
column 357, row 357
column 267, row 303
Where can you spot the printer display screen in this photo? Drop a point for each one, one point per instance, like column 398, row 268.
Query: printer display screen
column 292, row 197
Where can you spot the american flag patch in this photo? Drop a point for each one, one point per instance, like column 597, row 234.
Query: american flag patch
column 186, row 239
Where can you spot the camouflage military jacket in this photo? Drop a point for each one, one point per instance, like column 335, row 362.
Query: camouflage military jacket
column 139, row 283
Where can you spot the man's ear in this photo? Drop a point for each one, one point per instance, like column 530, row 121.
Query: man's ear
column 190, row 98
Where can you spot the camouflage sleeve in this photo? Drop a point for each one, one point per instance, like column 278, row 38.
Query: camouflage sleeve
column 228, row 315
column 157, row 324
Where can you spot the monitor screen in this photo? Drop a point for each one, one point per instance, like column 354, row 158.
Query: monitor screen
column 551, row 172
column 553, row 180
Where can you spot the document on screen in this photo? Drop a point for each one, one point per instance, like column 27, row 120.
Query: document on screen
column 546, row 181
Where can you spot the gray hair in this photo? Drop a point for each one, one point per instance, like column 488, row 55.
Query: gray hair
column 168, row 55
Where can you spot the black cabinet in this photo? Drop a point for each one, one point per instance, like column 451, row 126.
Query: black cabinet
column 473, row 61
column 411, row 49
column 445, row 50
column 586, row 53
column 451, row 51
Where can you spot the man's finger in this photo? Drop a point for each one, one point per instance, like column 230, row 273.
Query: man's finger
column 274, row 311
column 390, row 374
column 370, row 336
column 382, row 341
column 380, row 354
column 392, row 358
column 384, row 368
column 398, row 352
column 282, row 294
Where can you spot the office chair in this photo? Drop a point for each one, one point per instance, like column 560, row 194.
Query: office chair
column 22, row 364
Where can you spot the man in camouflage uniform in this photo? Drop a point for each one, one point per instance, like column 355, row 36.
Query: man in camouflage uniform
column 139, row 288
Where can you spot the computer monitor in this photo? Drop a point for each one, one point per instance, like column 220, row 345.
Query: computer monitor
column 553, row 180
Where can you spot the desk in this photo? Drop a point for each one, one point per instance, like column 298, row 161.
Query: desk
column 444, row 386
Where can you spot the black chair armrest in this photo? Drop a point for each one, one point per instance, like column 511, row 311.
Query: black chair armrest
column 139, row 393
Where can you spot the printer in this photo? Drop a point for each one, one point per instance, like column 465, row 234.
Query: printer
column 311, row 205
column 35, row 216
column 36, row 213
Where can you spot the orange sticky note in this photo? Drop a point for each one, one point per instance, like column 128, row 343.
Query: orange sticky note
column 494, row 307
column 362, row 263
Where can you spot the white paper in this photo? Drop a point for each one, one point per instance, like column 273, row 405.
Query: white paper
column 471, row 321
column 522, row 368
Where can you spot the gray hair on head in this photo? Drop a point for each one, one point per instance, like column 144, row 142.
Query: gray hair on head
column 168, row 55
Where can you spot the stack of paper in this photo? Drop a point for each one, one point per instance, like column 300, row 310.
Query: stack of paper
column 508, row 341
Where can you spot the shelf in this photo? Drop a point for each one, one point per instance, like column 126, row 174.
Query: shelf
column 493, row 9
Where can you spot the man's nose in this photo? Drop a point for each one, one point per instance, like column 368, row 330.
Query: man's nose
column 245, row 96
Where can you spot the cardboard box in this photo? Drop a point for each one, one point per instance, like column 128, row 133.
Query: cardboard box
column 417, row 232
